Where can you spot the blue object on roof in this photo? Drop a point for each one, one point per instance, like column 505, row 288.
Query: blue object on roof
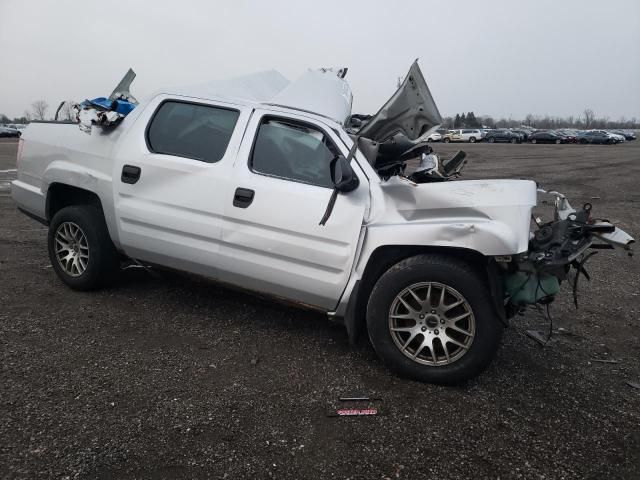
column 119, row 106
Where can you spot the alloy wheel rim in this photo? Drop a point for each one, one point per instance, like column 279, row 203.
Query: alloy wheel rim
column 71, row 248
column 432, row 323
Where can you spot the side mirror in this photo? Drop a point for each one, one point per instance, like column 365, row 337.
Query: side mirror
column 342, row 175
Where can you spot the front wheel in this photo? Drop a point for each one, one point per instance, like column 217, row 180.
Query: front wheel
column 431, row 318
column 80, row 249
column 491, row 140
column 558, row 141
column 514, row 140
column 446, row 140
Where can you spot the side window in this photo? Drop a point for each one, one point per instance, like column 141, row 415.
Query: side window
column 294, row 151
column 200, row 132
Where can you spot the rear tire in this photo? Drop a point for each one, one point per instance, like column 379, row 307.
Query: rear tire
column 80, row 248
column 472, row 140
column 446, row 140
column 476, row 327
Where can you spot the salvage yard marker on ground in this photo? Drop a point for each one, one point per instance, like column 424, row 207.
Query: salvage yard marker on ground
column 355, row 412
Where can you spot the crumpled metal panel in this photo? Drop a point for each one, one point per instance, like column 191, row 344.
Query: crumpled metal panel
column 322, row 92
column 255, row 87
column 489, row 216
column 411, row 111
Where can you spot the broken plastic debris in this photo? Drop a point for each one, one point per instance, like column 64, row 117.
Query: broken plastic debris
column 108, row 112
column 538, row 336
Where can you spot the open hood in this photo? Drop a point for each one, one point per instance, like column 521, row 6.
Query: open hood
column 410, row 111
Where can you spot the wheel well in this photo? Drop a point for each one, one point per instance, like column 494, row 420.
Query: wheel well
column 61, row 195
column 385, row 257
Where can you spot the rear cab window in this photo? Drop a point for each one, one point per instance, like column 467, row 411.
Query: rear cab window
column 191, row 130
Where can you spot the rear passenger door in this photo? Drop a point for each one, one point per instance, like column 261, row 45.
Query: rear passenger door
column 273, row 241
column 171, row 181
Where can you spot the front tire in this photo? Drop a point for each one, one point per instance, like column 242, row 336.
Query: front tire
column 431, row 318
column 80, row 249
column 491, row 140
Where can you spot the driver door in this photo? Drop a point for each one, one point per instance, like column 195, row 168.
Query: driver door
column 272, row 240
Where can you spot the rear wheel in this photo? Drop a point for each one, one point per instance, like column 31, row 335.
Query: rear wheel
column 514, row 140
column 446, row 140
column 430, row 318
column 533, row 140
column 472, row 140
column 80, row 249
column 558, row 141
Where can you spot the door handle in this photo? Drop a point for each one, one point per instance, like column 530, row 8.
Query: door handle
column 243, row 197
column 130, row 174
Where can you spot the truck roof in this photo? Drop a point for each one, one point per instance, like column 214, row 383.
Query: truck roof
column 323, row 92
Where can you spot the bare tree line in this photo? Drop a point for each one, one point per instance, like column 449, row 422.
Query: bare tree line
column 587, row 120
column 40, row 111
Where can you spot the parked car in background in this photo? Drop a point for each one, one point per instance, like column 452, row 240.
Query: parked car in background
column 616, row 136
column 434, row 137
column 6, row 132
column 502, row 136
column 566, row 135
column 470, row 135
column 546, row 137
column 597, row 137
column 627, row 135
column 524, row 134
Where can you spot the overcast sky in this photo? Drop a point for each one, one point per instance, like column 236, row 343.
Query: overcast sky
column 503, row 58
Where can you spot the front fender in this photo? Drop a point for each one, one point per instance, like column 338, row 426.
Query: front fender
column 485, row 236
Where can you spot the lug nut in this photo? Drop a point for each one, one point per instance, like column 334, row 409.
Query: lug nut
column 433, row 311
column 442, row 321
column 424, row 329
column 421, row 317
column 436, row 331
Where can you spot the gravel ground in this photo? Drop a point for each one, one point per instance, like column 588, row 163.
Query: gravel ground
column 179, row 378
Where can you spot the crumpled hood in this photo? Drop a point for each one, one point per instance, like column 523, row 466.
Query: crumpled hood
column 411, row 111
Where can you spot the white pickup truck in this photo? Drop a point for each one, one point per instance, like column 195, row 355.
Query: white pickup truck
column 273, row 186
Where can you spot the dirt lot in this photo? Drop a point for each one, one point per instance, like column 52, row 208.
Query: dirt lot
column 180, row 378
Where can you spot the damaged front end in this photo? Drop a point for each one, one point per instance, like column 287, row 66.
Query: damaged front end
column 393, row 136
column 558, row 251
